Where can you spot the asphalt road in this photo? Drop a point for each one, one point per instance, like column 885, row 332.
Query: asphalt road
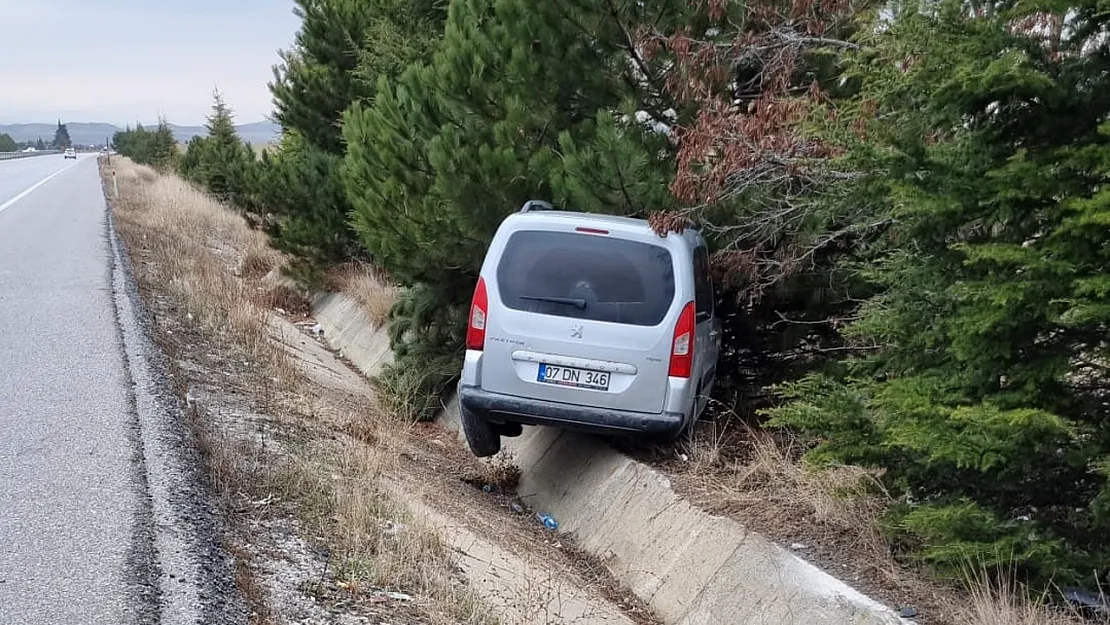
column 102, row 516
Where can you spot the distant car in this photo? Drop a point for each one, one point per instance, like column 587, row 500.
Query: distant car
column 70, row 153
column 588, row 322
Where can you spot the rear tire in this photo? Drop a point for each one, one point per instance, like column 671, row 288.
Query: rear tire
column 686, row 433
column 481, row 436
column 509, row 429
column 691, row 428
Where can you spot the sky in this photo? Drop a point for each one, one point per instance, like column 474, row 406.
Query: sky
column 127, row 61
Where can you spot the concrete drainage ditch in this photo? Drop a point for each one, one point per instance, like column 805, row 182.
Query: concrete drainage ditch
column 690, row 567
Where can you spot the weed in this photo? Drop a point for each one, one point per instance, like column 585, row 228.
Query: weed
column 996, row 598
column 369, row 287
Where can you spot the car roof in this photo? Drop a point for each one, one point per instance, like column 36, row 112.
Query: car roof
column 616, row 223
column 596, row 218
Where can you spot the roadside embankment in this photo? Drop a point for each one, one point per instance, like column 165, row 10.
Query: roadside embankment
column 339, row 509
column 335, row 512
column 689, row 566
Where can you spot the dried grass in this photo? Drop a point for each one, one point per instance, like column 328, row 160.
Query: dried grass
column 197, row 248
column 369, row 287
column 211, row 263
column 997, row 599
column 767, row 473
column 257, row 262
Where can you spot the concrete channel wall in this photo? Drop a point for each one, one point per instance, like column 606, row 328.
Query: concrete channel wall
column 691, row 567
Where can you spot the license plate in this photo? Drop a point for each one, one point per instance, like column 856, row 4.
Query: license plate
column 573, row 376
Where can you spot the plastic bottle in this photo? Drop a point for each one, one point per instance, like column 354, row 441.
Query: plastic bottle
column 548, row 521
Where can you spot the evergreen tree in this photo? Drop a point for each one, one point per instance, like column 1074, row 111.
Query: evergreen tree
column 7, row 144
column 315, row 81
column 61, row 137
column 136, row 144
column 341, row 50
column 157, row 149
column 226, row 157
column 189, row 165
column 296, row 179
column 40, row 144
column 521, row 101
column 162, row 151
column 984, row 394
column 221, row 162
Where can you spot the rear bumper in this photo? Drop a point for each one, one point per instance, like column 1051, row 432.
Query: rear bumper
column 498, row 408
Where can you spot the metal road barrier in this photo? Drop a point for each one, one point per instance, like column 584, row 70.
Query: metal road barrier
column 7, row 156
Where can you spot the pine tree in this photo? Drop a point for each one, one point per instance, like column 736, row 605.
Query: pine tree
column 162, row 149
column 757, row 89
column 189, row 166
column 341, row 50
column 138, row 144
column 61, row 137
column 984, row 395
column 225, row 158
column 221, row 162
column 158, row 149
column 300, row 186
column 7, row 144
column 315, row 81
column 520, row 101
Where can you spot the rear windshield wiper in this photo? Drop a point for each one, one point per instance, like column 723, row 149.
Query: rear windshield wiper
column 569, row 301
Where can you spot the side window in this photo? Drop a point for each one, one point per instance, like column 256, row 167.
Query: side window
column 703, row 288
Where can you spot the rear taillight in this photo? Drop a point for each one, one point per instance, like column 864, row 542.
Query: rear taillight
column 476, row 324
column 682, row 348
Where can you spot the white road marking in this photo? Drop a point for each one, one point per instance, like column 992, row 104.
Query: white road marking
column 31, row 188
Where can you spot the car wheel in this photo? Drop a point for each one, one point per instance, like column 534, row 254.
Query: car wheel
column 691, row 428
column 509, row 429
column 685, row 434
column 480, row 434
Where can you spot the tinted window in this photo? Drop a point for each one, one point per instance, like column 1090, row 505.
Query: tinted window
column 586, row 276
column 703, row 288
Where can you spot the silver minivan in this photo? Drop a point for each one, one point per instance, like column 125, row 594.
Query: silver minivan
column 588, row 322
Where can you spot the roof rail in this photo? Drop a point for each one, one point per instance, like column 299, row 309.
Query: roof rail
column 535, row 205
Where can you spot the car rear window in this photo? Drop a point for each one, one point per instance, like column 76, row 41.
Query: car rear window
column 586, row 276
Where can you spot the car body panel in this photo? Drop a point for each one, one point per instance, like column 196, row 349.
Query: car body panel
column 602, row 346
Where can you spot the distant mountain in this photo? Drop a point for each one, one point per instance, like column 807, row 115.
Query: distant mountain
column 85, row 133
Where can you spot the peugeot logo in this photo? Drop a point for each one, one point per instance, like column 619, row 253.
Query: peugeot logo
column 576, row 332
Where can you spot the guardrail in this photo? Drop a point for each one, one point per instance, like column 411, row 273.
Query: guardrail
column 7, row 156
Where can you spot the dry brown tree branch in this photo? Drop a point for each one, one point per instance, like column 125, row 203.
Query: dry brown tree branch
column 751, row 143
